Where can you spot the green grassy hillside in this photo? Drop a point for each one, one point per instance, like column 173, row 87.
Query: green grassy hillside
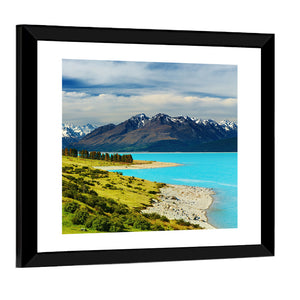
column 100, row 201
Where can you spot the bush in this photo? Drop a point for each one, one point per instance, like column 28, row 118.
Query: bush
column 160, row 185
column 100, row 203
column 121, row 209
column 92, row 192
column 110, row 186
column 80, row 217
column 116, row 226
column 164, row 219
column 71, row 207
column 101, row 223
column 67, row 169
column 128, row 219
column 81, row 197
column 152, row 216
column 68, row 194
column 197, row 226
column 89, row 222
column 182, row 222
column 152, row 192
column 142, row 224
column 157, row 227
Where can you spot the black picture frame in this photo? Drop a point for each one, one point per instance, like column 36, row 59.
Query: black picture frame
column 27, row 103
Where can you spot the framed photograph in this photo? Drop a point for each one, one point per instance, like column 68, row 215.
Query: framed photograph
column 138, row 145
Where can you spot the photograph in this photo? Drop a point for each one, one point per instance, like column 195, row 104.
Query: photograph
column 148, row 146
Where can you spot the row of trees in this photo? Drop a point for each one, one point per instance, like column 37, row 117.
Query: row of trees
column 127, row 158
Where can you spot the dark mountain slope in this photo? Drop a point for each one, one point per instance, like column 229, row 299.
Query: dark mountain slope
column 161, row 133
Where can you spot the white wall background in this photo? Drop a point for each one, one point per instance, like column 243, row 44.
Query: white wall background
column 254, row 278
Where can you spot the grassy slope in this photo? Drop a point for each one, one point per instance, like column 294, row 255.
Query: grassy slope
column 133, row 192
column 136, row 193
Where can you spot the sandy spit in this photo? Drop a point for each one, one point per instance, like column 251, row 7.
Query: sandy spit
column 184, row 202
column 152, row 165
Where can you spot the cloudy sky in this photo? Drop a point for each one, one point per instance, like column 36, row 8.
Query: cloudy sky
column 101, row 92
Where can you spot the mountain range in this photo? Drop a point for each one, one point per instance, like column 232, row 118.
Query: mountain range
column 73, row 133
column 161, row 133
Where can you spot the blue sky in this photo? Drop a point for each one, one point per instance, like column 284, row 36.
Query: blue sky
column 101, row 92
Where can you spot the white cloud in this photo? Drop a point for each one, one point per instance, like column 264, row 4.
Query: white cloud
column 74, row 94
column 111, row 92
column 181, row 78
column 107, row 108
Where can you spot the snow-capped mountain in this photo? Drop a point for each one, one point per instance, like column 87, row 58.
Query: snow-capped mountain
column 229, row 125
column 73, row 133
column 141, row 120
column 163, row 133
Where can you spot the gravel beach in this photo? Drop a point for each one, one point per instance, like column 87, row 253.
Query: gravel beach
column 184, row 202
column 176, row 201
column 152, row 165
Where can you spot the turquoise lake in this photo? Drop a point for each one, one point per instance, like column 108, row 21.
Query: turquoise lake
column 211, row 170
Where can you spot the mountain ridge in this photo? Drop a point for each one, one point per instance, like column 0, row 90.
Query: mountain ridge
column 162, row 133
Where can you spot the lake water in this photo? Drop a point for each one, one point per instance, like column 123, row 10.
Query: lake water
column 211, row 170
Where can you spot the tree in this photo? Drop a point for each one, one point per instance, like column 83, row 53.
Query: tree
column 73, row 152
column 92, row 155
column 66, row 152
column 98, row 155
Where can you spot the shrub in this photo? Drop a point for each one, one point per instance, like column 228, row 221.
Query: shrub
column 182, row 222
column 164, row 219
column 68, row 194
column 99, row 210
column 152, row 216
column 110, row 186
column 104, row 205
column 152, row 192
column 142, row 224
column 81, row 197
column 157, row 227
column 128, row 219
column 197, row 226
column 121, row 209
column 89, row 222
column 92, row 192
column 69, row 177
column 67, row 169
column 160, row 185
column 116, row 226
column 101, row 223
column 80, row 217
column 71, row 207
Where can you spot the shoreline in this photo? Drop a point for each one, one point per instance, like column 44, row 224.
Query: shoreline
column 152, row 165
column 176, row 202
column 184, row 202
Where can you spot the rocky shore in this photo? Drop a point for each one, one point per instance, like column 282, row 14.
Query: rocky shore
column 184, row 202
